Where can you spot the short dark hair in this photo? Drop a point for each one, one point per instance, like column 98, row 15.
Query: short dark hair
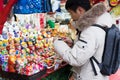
column 74, row 4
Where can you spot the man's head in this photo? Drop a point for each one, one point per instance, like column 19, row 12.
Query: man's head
column 76, row 8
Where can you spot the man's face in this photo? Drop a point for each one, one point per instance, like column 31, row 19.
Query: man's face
column 74, row 15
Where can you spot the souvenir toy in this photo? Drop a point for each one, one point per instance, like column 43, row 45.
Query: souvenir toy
column 11, row 63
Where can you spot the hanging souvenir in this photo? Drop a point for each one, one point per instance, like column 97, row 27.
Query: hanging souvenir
column 114, row 3
column 31, row 6
column 55, row 5
column 96, row 1
column 27, row 6
column 46, row 5
column 115, row 12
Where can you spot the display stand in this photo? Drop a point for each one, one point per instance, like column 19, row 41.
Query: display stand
column 38, row 76
column 15, row 76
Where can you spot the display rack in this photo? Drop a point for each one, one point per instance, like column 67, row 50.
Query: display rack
column 15, row 76
column 38, row 76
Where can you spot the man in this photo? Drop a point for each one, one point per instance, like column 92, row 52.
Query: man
column 89, row 43
column 5, row 11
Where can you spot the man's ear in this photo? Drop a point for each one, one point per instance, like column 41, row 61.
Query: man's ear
column 80, row 10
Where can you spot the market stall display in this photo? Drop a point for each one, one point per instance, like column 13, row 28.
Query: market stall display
column 26, row 52
column 26, row 46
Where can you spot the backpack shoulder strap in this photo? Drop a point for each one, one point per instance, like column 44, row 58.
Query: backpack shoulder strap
column 102, row 27
column 92, row 64
column 93, row 67
column 96, row 25
column 93, row 58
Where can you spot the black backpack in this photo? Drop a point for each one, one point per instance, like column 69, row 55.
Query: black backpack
column 111, row 55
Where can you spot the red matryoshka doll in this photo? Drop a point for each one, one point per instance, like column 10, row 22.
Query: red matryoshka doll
column 11, row 63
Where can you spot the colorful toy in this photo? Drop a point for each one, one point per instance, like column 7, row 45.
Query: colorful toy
column 11, row 63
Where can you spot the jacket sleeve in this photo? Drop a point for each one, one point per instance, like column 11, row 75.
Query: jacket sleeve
column 82, row 50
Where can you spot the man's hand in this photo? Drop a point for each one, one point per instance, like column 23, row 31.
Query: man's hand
column 71, row 78
column 68, row 40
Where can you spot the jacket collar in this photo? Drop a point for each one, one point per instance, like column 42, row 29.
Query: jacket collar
column 90, row 16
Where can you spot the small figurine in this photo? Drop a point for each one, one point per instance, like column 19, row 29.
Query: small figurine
column 31, row 47
column 11, row 41
column 40, row 37
column 35, row 68
column 28, row 69
column 12, row 50
column 20, row 64
column 5, row 42
column 17, row 40
column 11, row 63
column 25, row 47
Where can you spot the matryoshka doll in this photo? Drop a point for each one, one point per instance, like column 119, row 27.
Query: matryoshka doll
column 17, row 45
column 17, row 40
column 18, row 48
column 54, row 32
column 24, row 47
column 28, row 69
column 31, row 47
column 11, row 63
column 37, row 47
column 49, row 32
column 11, row 59
column 41, row 44
column 4, row 44
column 1, row 44
column 30, row 44
column 12, row 50
column 40, row 37
column 46, row 43
column 19, row 65
column 35, row 68
column 4, row 60
column 41, row 65
column 11, row 41
column 114, row 2
column 43, row 32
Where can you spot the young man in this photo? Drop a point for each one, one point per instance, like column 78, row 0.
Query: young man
column 89, row 43
column 5, row 11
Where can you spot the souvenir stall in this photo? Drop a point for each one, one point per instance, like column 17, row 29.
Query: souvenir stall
column 26, row 42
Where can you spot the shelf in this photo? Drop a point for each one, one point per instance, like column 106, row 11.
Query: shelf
column 15, row 76
column 38, row 76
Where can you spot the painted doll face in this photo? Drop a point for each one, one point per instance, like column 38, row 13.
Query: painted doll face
column 114, row 2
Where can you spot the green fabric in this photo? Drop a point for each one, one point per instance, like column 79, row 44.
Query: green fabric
column 51, row 23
